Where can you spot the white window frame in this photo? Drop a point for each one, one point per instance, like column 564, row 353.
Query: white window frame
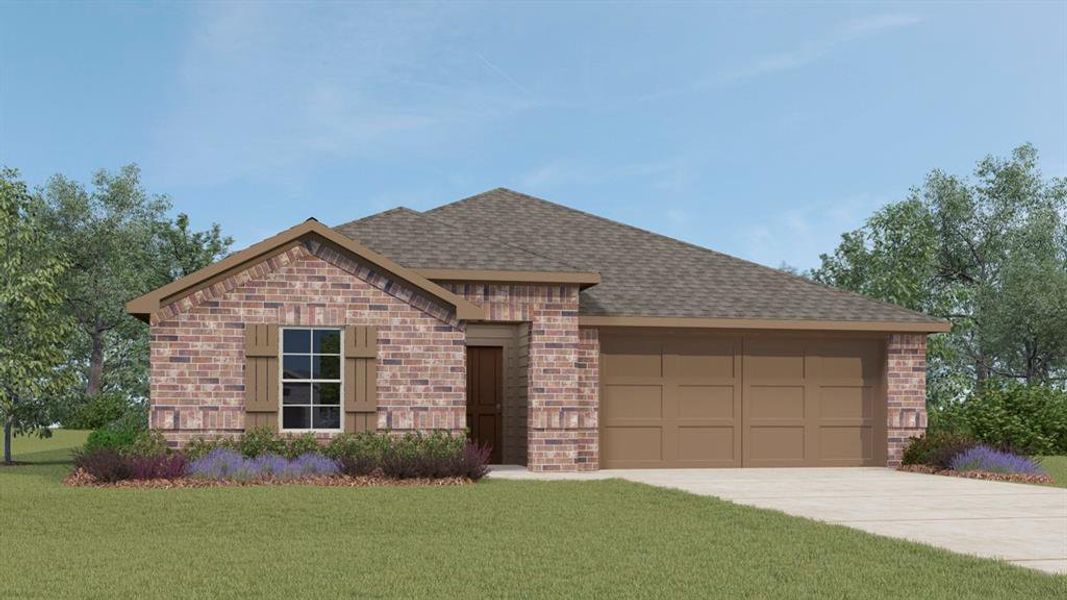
column 282, row 380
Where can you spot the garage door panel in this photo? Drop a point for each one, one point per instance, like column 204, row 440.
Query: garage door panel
column 774, row 402
column 846, row 402
column 782, row 444
column 849, row 359
column 853, row 444
column 706, row 402
column 706, row 444
column 770, row 360
column 633, row 358
column 632, row 402
column 708, row 358
column 628, row 445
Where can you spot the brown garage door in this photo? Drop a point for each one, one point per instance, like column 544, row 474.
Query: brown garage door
column 685, row 400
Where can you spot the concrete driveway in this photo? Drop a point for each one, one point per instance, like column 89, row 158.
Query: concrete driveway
column 1023, row 524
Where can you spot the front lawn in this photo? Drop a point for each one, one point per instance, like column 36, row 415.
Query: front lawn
column 1057, row 468
column 492, row 539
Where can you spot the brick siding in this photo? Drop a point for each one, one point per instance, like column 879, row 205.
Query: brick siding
column 197, row 343
column 905, row 392
column 562, row 386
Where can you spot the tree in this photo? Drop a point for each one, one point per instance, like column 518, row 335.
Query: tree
column 990, row 255
column 31, row 323
column 120, row 244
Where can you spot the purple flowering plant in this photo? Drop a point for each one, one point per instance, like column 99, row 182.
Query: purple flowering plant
column 984, row 458
column 224, row 463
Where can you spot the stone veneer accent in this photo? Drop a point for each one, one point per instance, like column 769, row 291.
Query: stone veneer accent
column 905, row 392
column 562, row 386
column 197, row 343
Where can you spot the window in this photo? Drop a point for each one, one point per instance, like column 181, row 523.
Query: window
column 311, row 379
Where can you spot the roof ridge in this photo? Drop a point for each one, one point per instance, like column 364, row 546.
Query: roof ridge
column 769, row 270
column 459, row 227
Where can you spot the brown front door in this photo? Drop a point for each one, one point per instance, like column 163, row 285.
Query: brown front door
column 485, row 396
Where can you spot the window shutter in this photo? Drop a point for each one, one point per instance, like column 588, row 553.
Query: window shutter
column 261, row 376
column 361, row 378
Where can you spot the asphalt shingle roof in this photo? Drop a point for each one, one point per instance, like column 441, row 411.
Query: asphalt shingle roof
column 643, row 273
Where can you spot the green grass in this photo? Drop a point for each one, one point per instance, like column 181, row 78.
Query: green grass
column 494, row 539
column 1057, row 468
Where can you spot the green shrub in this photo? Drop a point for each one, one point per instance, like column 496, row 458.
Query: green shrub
column 117, row 440
column 96, row 412
column 200, row 447
column 260, row 440
column 937, row 449
column 1029, row 419
column 301, row 444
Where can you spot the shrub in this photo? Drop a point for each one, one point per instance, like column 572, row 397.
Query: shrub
column 300, row 445
column 227, row 464
column 936, row 449
column 200, row 447
column 473, row 461
column 260, row 440
column 104, row 464
column 1031, row 419
column 984, row 458
column 158, row 466
column 96, row 412
column 119, row 440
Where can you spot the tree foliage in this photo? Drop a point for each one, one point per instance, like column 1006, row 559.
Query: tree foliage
column 989, row 254
column 120, row 243
column 32, row 325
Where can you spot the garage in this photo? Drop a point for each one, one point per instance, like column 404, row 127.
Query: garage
column 685, row 399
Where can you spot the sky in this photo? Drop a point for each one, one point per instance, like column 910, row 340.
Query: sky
column 762, row 130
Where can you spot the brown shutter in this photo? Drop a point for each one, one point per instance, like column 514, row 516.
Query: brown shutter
column 261, row 376
column 361, row 378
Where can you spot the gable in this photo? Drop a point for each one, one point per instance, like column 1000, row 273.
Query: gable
column 229, row 271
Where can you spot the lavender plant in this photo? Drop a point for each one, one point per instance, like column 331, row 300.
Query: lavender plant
column 984, row 458
column 225, row 463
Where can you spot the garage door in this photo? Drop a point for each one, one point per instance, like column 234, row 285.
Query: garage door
column 683, row 400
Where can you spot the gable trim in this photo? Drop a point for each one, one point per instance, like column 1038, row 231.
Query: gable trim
column 780, row 324
column 144, row 306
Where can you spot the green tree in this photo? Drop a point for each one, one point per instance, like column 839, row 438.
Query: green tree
column 31, row 323
column 120, row 244
column 989, row 254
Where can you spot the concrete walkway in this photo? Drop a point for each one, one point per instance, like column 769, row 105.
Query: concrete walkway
column 1023, row 524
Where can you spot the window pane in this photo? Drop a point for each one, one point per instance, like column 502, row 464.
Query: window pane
column 296, row 393
column 327, row 367
column 296, row 340
column 327, row 393
column 326, row 417
column 296, row 417
column 327, row 341
column 295, row 366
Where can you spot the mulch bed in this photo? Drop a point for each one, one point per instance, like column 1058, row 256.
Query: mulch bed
column 1010, row 477
column 80, row 478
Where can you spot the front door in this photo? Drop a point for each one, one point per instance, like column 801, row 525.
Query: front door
column 485, row 397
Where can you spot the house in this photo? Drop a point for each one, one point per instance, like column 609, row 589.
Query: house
column 565, row 340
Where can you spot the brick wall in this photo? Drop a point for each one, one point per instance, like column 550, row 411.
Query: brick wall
column 562, row 390
column 197, row 343
column 906, row 391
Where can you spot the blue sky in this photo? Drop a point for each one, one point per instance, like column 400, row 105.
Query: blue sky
column 760, row 130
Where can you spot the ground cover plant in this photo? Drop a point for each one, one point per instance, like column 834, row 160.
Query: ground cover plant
column 499, row 538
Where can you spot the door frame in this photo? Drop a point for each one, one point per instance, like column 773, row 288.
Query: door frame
column 501, row 335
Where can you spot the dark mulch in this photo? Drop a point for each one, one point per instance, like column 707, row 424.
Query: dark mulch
column 1010, row 477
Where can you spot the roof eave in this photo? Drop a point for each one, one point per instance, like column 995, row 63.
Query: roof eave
column 582, row 279
column 775, row 324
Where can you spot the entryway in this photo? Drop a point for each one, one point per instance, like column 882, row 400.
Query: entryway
column 485, row 397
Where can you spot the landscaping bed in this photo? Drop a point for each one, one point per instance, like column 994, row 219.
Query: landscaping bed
column 959, row 455
column 1043, row 478
column 142, row 459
